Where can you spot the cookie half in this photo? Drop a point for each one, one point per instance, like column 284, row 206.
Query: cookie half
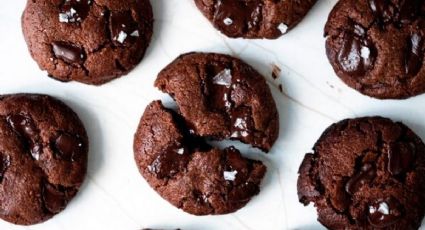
column 43, row 157
column 90, row 41
column 377, row 46
column 189, row 173
column 366, row 173
column 222, row 97
column 254, row 18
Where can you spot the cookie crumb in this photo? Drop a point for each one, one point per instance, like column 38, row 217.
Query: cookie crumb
column 276, row 71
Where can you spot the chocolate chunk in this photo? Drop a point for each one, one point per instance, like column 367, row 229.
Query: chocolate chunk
column 400, row 157
column 74, row 10
column 367, row 174
column 414, row 55
column 123, row 27
column 384, row 213
column 219, row 86
column 237, row 17
column 68, row 52
column 409, row 10
column 170, row 161
column 54, row 200
column 68, row 146
column 4, row 164
column 383, row 10
column 36, row 149
column 23, row 125
column 357, row 55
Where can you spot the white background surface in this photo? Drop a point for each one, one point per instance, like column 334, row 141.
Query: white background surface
column 115, row 196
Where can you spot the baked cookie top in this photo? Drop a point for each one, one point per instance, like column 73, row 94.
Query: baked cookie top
column 377, row 46
column 90, row 41
column 43, row 157
column 366, row 173
column 254, row 18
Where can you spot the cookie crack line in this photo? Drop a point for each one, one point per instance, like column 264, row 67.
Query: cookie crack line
column 170, row 146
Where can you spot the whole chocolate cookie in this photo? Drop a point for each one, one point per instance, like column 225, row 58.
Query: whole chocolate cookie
column 188, row 172
column 43, row 157
column 366, row 173
column 222, row 97
column 377, row 46
column 254, row 18
column 90, row 41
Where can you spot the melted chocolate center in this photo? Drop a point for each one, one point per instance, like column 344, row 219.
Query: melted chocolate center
column 24, row 126
column 68, row 52
column 170, row 161
column 367, row 174
column 384, row 213
column 123, row 27
column 220, row 88
column 73, row 11
column 414, row 55
column 236, row 17
column 68, row 147
column 357, row 55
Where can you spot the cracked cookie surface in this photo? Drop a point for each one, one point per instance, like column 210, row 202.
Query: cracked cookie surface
column 188, row 172
column 254, row 18
column 378, row 46
column 222, row 97
column 89, row 41
column 366, row 173
column 43, row 157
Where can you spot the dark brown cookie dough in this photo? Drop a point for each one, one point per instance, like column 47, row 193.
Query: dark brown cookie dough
column 377, row 46
column 222, row 97
column 366, row 173
column 188, row 172
column 90, row 41
column 254, row 18
column 43, row 157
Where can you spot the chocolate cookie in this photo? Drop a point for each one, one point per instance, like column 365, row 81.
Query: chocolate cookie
column 254, row 18
column 222, row 97
column 377, row 46
column 90, row 41
column 366, row 173
column 188, row 172
column 43, row 157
